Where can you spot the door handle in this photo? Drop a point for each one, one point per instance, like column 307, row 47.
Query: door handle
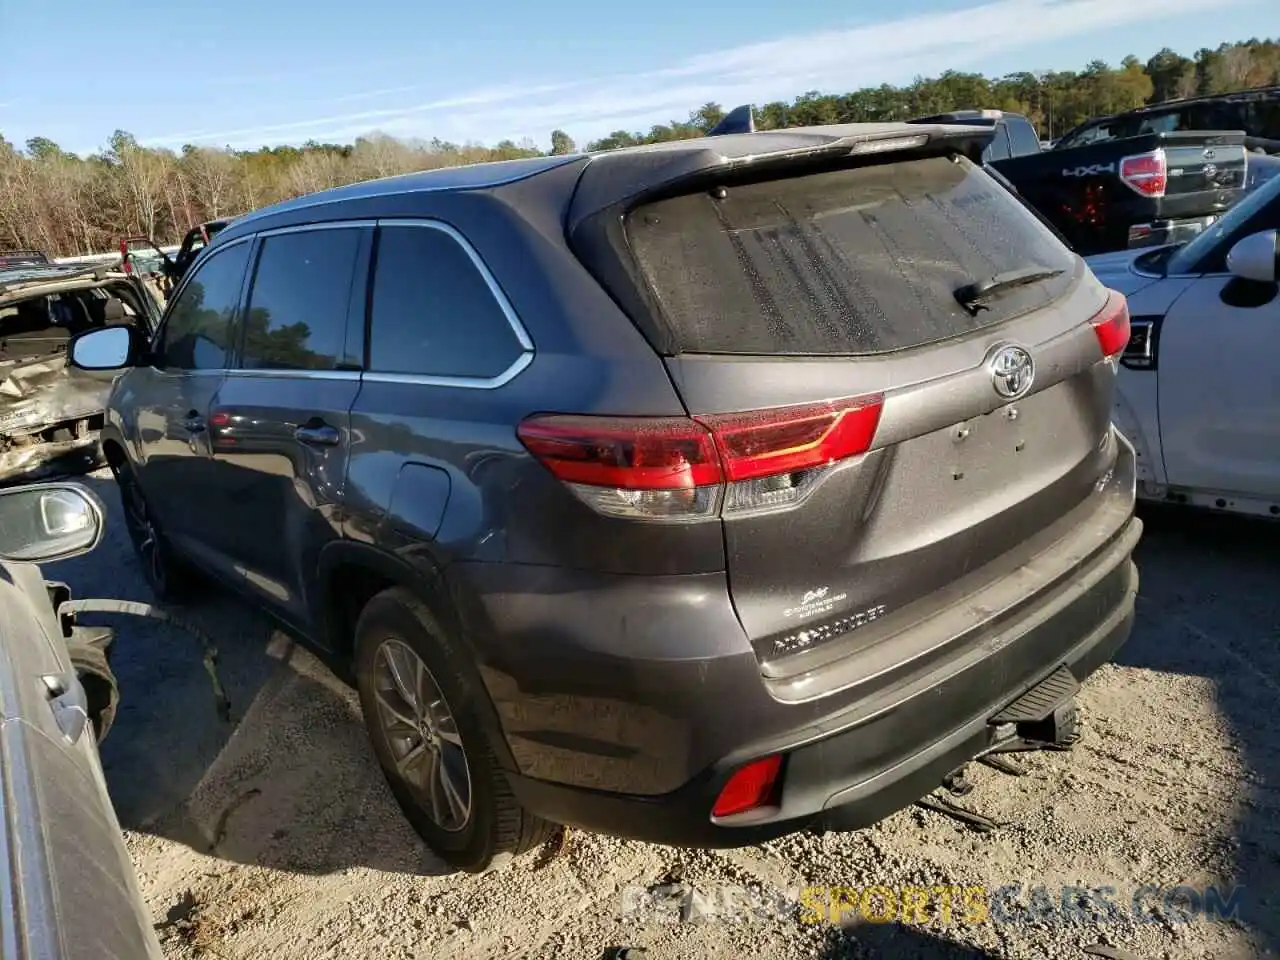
column 318, row 435
column 69, row 704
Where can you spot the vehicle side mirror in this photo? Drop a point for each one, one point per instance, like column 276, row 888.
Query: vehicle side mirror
column 1255, row 258
column 43, row 523
column 105, row 349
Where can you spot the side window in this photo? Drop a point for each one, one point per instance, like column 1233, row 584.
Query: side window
column 1169, row 122
column 197, row 333
column 1263, row 117
column 297, row 315
column 1022, row 137
column 998, row 148
column 433, row 314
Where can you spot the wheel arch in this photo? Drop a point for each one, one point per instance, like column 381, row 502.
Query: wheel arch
column 1149, row 461
column 114, row 449
column 351, row 574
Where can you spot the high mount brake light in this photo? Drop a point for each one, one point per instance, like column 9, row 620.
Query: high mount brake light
column 1111, row 325
column 1146, row 173
column 682, row 468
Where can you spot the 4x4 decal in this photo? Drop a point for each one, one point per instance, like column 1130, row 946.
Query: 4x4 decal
column 1093, row 170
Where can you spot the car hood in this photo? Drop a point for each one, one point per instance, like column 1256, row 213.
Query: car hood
column 1116, row 270
column 1147, row 295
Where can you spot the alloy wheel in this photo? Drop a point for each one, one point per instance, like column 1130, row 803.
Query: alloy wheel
column 142, row 530
column 420, row 730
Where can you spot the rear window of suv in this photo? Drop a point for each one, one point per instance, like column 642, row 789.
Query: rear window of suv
column 848, row 262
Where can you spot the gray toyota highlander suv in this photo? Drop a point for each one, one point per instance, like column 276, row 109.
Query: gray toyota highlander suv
column 693, row 493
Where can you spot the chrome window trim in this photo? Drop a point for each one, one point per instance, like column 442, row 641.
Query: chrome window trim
column 311, row 227
column 517, row 366
column 293, row 374
column 175, row 374
column 469, row 383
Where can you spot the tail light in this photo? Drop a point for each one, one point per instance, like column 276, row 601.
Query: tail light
column 124, row 257
column 1111, row 325
column 751, row 787
column 1146, row 173
column 692, row 468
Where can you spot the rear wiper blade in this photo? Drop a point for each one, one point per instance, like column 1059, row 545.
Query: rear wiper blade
column 975, row 296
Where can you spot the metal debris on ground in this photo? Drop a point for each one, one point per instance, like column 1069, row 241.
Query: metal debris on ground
column 969, row 818
column 1003, row 764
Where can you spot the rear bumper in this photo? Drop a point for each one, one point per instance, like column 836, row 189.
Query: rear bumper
column 824, row 781
column 628, row 702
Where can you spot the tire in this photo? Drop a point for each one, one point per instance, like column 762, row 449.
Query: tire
column 170, row 579
column 102, row 691
column 394, row 624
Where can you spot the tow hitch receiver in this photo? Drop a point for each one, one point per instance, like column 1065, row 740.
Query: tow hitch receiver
column 1046, row 717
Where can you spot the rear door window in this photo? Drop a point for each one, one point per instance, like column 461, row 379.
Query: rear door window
column 298, row 306
column 856, row 261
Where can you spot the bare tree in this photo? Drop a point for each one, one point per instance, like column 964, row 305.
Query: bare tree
column 1230, row 68
column 212, row 174
column 142, row 174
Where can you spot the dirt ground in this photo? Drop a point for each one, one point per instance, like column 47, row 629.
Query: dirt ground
column 273, row 835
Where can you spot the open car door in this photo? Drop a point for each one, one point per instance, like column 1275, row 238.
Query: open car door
column 197, row 238
column 138, row 254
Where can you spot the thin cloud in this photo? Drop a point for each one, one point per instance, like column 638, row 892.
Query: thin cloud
column 301, row 127
column 370, row 94
column 843, row 59
column 294, row 73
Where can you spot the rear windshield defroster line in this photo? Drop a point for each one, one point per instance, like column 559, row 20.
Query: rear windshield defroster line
column 856, row 261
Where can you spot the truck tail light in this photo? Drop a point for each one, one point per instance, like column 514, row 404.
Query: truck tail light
column 693, row 468
column 1146, row 173
column 1111, row 325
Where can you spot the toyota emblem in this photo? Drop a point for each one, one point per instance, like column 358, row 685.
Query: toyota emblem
column 1012, row 371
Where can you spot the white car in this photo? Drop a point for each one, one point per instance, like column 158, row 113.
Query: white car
column 1199, row 395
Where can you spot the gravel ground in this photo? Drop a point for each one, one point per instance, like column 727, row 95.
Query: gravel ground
column 274, row 835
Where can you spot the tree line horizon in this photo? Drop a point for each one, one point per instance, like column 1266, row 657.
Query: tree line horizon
column 67, row 205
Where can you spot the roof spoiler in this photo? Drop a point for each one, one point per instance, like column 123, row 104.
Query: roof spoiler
column 738, row 120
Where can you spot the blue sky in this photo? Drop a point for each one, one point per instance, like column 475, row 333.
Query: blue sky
column 250, row 72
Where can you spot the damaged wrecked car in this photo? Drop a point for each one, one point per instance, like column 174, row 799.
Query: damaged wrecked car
column 50, row 414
